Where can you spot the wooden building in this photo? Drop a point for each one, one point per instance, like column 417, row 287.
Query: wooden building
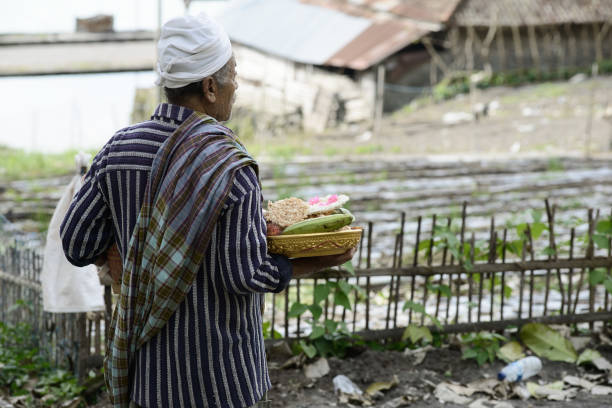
column 332, row 62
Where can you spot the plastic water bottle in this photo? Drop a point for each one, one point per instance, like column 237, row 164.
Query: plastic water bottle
column 520, row 369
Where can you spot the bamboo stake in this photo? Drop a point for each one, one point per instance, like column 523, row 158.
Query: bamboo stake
column 368, row 265
column 414, row 264
column 399, row 265
column 429, row 261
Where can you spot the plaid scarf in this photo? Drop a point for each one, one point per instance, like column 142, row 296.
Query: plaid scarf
column 191, row 176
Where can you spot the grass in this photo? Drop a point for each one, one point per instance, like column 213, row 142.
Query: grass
column 369, row 149
column 17, row 164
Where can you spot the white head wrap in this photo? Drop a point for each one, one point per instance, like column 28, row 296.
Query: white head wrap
column 189, row 49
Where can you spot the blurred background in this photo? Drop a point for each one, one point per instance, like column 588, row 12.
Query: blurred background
column 479, row 122
column 404, row 105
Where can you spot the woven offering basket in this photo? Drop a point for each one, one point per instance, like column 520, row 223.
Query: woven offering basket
column 309, row 245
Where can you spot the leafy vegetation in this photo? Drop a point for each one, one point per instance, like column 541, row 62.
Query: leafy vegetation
column 26, row 371
column 327, row 337
column 460, row 83
column 482, row 346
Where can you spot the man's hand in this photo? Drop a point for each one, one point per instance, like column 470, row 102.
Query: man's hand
column 101, row 260
column 303, row 267
column 114, row 263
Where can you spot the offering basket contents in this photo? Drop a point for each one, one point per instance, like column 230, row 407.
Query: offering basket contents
column 317, row 227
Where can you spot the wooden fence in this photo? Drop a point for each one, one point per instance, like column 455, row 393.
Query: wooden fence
column 509, row 287
column 72, row 340
column 462, row 286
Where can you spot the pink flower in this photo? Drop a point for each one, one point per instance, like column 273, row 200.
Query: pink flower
column 314, row 200
column 332, row 199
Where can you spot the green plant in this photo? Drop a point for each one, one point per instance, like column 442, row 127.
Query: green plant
column 369, row 149
column 601, row 239
column 418, row 308
column 459, row 83
column 327, row 337
column 25, row 370
column 482, row 346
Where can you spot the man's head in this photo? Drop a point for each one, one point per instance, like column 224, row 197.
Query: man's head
column 196, row 66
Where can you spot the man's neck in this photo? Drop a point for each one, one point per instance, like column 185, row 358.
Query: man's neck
column 195, row 105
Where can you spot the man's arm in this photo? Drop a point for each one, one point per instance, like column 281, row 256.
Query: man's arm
column 242, row 250
column 246, row 265
column 303, row 267
column 87, row 229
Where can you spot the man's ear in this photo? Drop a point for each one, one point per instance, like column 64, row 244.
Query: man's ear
column 209, row 89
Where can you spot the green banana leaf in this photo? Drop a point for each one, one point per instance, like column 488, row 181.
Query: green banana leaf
column 547, row 343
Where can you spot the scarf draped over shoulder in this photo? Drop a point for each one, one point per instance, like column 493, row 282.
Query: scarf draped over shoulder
column 190, row 179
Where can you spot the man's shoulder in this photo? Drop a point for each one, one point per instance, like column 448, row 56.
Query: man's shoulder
column 149, row 129
column 134, row 145
column 245, row 183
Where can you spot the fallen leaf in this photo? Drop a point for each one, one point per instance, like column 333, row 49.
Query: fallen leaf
column 461, row 390
column 553, row 391
column 398, row 402
column 511, row 351
column 486, row 386
column 480, row 403
column 602, row 364
column 605, row 339
column 295, row 361
column 381, row 386
column 579, row 343
column 601, row 390
column 546, row 342
column 587, row 356
column 19, row 400
column 317, row 369
column 578, row 382
column 418, row 354
column 520, row 391
column 445, row 394
column 595, row 358
column 73, row 403
column 279, row 350
column 594, row 377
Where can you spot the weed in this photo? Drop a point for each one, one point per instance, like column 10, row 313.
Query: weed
column 482, row 346
column 17, row 164
column 327, row 337
column 369, row 149
column 331, row 151
column 26, row 370
column 555, row 164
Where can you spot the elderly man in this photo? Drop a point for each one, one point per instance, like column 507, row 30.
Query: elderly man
column 180, row 196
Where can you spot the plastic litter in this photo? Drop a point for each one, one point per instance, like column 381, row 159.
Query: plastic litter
column 520, row 369
column 343, row 384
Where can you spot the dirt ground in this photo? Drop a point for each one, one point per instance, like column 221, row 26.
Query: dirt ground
column 291, row 389
column 553, row 118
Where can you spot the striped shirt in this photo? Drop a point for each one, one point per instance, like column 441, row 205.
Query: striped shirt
column 211, row 351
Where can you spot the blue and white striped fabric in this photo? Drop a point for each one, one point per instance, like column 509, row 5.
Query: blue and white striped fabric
column 210, row 353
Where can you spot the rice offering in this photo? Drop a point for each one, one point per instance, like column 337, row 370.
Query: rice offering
column 286, row 212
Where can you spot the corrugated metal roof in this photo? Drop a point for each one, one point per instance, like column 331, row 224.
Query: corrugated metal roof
column 375, row 44
column 290, row 29
column 531, row 12
column 317, row 35
column 438, row 11
column 433, row 11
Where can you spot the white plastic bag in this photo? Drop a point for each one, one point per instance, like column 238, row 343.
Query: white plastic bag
column 67, row 288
